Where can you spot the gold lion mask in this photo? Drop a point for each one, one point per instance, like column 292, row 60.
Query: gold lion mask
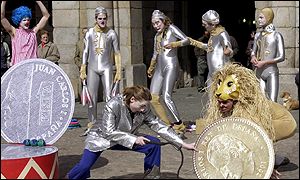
column 228, row 89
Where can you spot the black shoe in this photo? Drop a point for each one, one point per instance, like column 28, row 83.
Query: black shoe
column 285, row 161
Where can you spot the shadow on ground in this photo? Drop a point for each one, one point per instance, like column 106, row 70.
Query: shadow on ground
column 288, row 167
column 68, row 162
column 164, row 175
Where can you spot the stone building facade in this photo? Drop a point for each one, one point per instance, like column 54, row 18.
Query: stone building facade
column 131, row 21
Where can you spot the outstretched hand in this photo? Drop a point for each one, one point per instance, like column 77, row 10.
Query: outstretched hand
column 190, row 146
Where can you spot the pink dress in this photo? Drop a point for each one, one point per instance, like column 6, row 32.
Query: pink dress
column 24, row 45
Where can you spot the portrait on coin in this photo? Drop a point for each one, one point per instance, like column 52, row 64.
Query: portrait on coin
column 230, row 156
column 15, row 104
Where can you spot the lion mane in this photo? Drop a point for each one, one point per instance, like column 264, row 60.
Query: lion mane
column 252, row 103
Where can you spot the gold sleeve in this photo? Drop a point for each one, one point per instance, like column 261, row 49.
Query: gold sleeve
column 196, row 43
column 118, row 65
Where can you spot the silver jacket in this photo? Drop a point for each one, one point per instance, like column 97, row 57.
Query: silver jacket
column 167, row 68
column 117, row 127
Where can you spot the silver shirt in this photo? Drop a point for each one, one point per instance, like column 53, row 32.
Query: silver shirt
column 117, row 127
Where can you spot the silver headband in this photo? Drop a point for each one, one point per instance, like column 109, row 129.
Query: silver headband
column 158, row 14
column 212, row 17
column 100, row 10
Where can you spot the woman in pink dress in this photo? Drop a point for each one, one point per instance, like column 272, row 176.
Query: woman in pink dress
column 23, row 39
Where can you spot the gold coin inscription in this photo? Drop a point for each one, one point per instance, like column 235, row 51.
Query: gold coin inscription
column 234, row 148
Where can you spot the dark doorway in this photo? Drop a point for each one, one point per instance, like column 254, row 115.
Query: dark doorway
column 231, row 17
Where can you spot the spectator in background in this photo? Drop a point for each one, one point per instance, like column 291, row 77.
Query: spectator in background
column 235, row 48
column 78, row 57
column 5, row 55
column 23, row 39
column 249, row 50
column 47, row 49
column 201, row 63
column 80, row 48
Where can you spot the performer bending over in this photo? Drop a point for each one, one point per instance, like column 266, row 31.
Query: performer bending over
column 123, row 115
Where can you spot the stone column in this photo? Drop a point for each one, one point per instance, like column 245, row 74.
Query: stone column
column 128, row 24
column 286, row 21
column 65, row 15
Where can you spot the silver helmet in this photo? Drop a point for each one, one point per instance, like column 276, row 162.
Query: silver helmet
column 212, row 17
column 158, row 14
column 100, row 10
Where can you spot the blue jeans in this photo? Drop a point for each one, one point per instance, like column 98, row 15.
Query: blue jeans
column 152, row 151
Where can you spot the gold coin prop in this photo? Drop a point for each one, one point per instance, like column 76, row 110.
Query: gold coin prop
column 234, row 148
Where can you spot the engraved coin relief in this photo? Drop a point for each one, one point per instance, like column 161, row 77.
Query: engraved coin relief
column 234, row 148
column 37, row 101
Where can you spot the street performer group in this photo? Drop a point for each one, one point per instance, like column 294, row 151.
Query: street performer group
column 233, row 90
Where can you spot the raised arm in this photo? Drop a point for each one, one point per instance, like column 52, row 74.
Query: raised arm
column 5, row 23
column 44, row 19
column 183, row 39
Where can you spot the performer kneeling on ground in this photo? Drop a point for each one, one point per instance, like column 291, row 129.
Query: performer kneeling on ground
column 123, row 115
column 235, row 92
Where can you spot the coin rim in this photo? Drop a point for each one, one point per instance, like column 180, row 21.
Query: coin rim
column 248, row 122
column 58, row 136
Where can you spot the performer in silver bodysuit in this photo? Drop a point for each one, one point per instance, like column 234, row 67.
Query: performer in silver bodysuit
column 166, row 65
column 100, row 41
column 268, row 50
column 218, row 48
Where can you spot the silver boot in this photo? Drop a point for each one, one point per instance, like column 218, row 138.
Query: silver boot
column 153, row 173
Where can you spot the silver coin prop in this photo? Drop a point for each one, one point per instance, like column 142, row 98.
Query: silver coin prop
column 234, row 148
column 37, row 101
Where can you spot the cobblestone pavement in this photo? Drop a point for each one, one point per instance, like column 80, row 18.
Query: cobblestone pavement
column 129, row 165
